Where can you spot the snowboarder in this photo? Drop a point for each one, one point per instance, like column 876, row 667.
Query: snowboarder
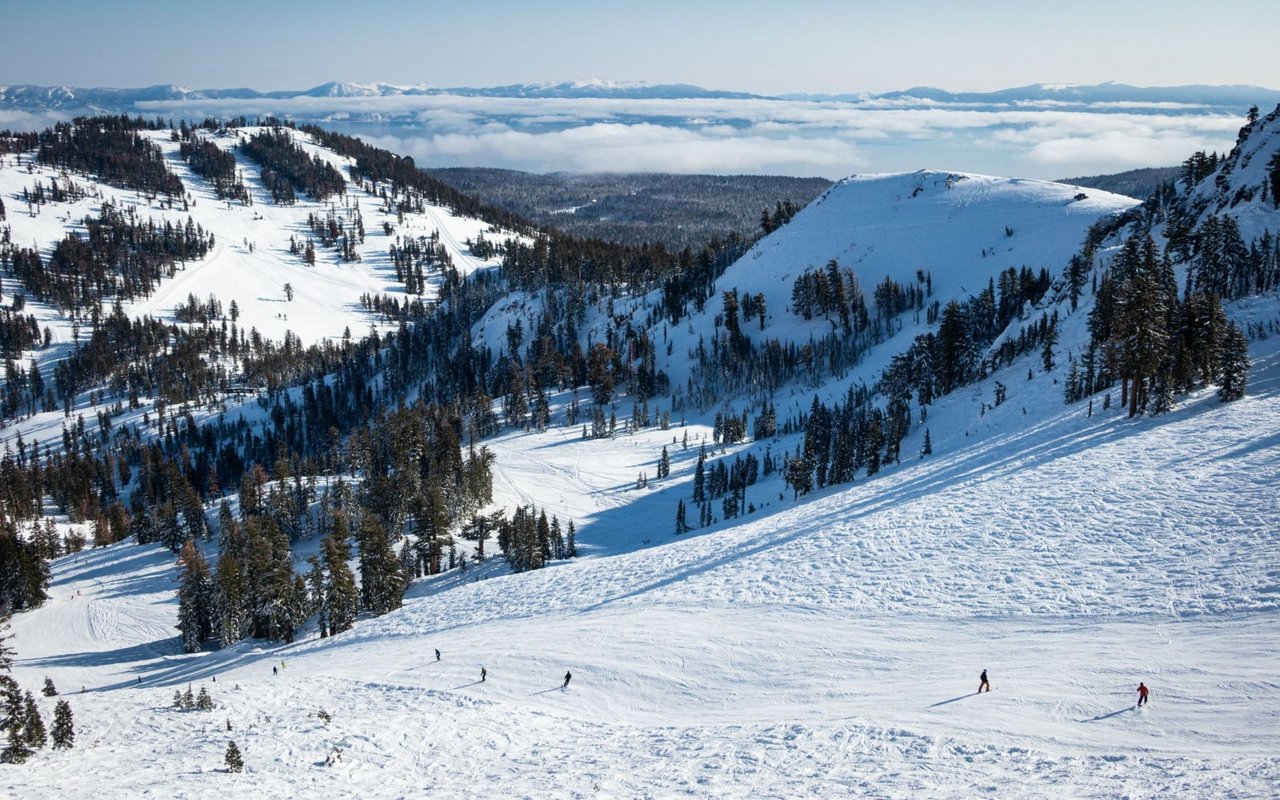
column 437, row 654
column 1142, row 693
column 982, row 682
column 567, row 676
column 483, row 673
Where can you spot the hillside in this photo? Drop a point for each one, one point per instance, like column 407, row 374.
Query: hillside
column 830, row 647
column 916, row 432
column 251, row 260
column 1133, row 183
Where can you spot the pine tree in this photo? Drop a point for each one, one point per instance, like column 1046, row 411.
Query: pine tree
column 233, row 759
column 341, row 598
column 681, row 525
column 64, row 734
column 16, row 749
column 35, row 733
column 571, row 543
column 49, row 690
column 14, row 720
column 229, row 600
column 195, row 598
column 927, row 450
column 203, row 701
column 1235, row 364
column 6, row 652
column 188, row 699
column 382, row 584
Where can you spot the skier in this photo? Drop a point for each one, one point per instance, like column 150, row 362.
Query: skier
column 483, row 674
column 437, row 654
column 567, row 676
column 982, row 682
column 1142, row 693
column 275, row 670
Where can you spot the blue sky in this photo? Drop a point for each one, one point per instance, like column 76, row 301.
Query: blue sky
column 768, row 47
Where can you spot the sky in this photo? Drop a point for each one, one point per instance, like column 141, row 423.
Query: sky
column 745, row 45
column 801, row 46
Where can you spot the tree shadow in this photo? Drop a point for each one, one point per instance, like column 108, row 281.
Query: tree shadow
column 1101, row 717
column 953, row 700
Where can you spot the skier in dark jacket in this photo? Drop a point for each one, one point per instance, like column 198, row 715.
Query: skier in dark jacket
column 484, row 673
column 437, row 654
column 983, row 683
column 567, row 677
column 1142, row 693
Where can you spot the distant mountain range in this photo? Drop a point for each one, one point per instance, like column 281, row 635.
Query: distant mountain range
column 111, row 99
column 66, row 98
column 1052, row 93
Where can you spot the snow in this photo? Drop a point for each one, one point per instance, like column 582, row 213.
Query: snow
column 250, row 263
column 326, row 300
column 820, row 648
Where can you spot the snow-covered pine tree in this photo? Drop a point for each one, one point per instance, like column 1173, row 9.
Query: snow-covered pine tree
column 6, row 652
column 13, row 718
column 544, row 537
column 195, row 598
column 1235, row 364
column 49, row 689
column 203, row 701
column 557, row 539
column 341, row 598
column 34, row 733
column 64, row 734
column 381, row 583
column 233, row 759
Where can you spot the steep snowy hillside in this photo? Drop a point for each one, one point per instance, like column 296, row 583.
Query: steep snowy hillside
column 1245, row 186
column 251, row 261
column 960, row 231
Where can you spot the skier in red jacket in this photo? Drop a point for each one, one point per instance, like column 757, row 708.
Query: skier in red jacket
column 1142, row 693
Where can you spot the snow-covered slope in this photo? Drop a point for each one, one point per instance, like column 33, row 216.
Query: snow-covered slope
column 820, row 648
column 962, row 230
column 828, row 649
column 251, row 262
column 1242, row 186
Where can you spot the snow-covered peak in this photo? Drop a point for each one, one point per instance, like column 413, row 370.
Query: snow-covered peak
column 962, row 228
column 1244, row 185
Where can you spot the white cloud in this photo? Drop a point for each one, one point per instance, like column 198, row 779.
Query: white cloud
column 829, row 138
column 612, row 147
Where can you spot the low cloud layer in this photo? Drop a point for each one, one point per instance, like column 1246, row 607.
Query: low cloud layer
column 827, row 138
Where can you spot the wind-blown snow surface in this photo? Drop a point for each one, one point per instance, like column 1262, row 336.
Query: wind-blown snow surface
column 828, row 649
